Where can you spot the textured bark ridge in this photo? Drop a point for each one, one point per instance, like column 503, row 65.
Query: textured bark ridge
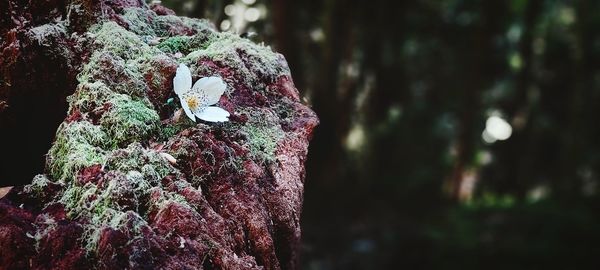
column 126, row 182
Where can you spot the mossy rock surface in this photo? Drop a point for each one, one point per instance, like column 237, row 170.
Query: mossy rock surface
column 129, row 183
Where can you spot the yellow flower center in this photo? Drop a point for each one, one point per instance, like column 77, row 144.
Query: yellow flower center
column 192, row 103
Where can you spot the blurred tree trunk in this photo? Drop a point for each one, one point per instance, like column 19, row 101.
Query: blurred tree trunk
column 520, row 167
column 333, row 110
column 480, row 70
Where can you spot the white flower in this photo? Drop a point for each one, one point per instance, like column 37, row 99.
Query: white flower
column 197, row 100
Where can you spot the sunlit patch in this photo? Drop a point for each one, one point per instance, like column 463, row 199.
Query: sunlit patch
column 251, row 14
column 355, row 138
column 241, row 14
column 496, row 129
column 515, row 61
column 538, row 193
column 225, row 25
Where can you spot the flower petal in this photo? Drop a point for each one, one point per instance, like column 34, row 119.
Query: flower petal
column 211, row 88
column 182, row 82
column 213, row 114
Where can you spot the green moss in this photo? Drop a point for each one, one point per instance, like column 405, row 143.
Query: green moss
column 175, row 44
column 185, row 44
column 169, row 130
column 129, row 120
column 113, row 38
column 78, row 145
column 38, row 184
column 99, row 221
column 81, row 200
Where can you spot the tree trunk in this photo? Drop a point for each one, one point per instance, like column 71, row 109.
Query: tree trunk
column 120, row 179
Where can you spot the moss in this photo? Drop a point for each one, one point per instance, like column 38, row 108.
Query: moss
column 140, row 21
column 263, row 133
column 201, row 25
column 262, row 141
column 285, row 110
column 253, row 64
column 92, row 232
column 163, row 25
column 98, row 207
column 186, row 44
column 108, row 218
column 46, row 33
column 165, row 199
column 154, row 70
column 80, row 201
column 129, row 120
column 78, row 145
column 89, row 96
column 113, row 38
column 169, row 130
column 37, row 186
column 175, row 44
column 117, row 74
column 44, row 225
column 145, row 22
column 149, row 163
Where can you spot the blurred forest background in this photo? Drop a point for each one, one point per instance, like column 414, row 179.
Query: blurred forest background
column 454, row 134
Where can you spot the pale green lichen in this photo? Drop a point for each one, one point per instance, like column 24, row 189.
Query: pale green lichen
column 146, row 23
column 262, row 141
column 77, row 145
column 89, row 96
column 99, row 206
column 166, row 198
column 254, row 64
column 113, row 38
column 37, row 186
column 140, row 21
column 117, row 74
column 148, row 162
column 47, row 34
column 44, row 225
